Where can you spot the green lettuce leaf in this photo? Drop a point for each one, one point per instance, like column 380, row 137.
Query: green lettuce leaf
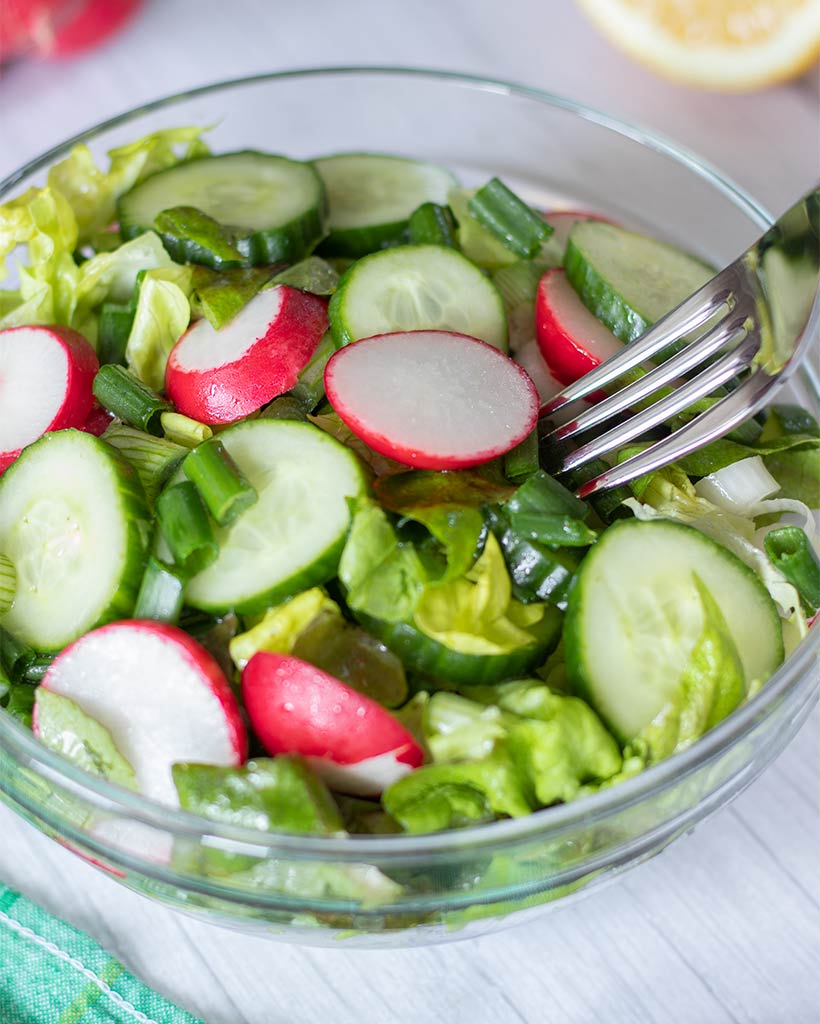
column 332, row 424
column 476, row 613
column 64, row 727
column 279, row 794
column 162, row 315
column 17, row 699
column 93, row 194
column 220, row 294
column 313, row 275
column 383, row 577
column 712, row 685
column 442, row 796
column 281, row 626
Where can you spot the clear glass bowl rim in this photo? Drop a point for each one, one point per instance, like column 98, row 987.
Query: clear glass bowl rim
column 106, row 796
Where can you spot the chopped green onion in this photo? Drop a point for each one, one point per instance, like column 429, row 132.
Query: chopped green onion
column 202, row 232
column 517, row 283
column 8, row 584
column 15, row 656
column 790, row 551
column 310, row 387
column 129, row 399
column 112, row 332
column 154, row 458
column 160, row 595
column 508, row 217
column 36, row 669
column 432, row 224
column 183, row 430
column 555, row 530
column 20, row 703
column 184, row 522
column 223, row 488
column 543, row 495
column 522, row 461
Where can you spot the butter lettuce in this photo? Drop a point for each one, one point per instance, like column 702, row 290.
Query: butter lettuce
column 280, row 627
column 476, row 613
column 383, row 577
column 63, row 726
column 162, row 315
column 518, row 748
column 711, row 686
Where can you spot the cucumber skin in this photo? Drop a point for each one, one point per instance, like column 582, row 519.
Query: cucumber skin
column 321, row 571
column 573, row 632
column 600, row 297
column 602, row 300
column 137, row 517
column 353, row 243
column 289, row 243
column 338, row 326
column 424, row 654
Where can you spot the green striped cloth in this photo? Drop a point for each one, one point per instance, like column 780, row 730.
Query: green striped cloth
column 50, row 973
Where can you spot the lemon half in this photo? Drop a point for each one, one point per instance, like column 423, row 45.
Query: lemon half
column 731, row 45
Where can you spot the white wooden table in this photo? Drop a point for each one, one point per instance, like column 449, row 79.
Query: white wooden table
column 723, row 928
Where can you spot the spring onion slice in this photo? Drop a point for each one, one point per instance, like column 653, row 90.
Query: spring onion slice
column 154, row 458
column 183, row 430
column 129, row 399
column 186, row 528
column 160, row 595
column 432, row 224
column 221, row 485
column 516, row 226
column 789, row 550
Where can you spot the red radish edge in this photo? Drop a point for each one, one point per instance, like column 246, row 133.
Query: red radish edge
column 563, row 221
column 296, row 708
column 79, row 363
column 193, row 654
column 401, row 393
column 95, row 22
column 571, row 339
column 267, row 344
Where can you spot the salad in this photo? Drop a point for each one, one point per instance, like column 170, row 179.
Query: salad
column 278, row 539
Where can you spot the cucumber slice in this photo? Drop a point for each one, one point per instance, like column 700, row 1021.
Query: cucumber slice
column 371, row 197
column 626, row 280
column 273, row 207
column 417, row 288
column 635, row 615
column 423, row 654
column 292, row 537
column 73, row 521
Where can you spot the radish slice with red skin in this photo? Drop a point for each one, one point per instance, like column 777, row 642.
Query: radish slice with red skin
column 221, row 376
column 97, row 421
column 563, row 221
column 571, row 339
column 432, row 399
column 161, row 696
column 349, row 739
column 46, row 375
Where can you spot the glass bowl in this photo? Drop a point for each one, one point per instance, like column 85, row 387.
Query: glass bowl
column 402, row 890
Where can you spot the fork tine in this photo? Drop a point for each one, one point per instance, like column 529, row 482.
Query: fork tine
column 687, row 359
column 692, row 313
column 723, row 416
column 705, row 383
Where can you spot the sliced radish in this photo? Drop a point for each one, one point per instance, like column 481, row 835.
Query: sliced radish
column 46, row 375
column 563, row 221
column 93, row 22
column 349, row 739
column 159, row 693
column 220, row 376
column 432, row 399
column 97, row 421
column 571, row 339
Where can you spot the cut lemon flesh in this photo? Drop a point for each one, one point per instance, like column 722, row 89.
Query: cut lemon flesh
column 733, row 45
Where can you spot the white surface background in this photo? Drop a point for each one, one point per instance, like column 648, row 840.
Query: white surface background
column 723, row 927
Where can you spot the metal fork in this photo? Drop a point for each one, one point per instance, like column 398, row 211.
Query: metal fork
column 754, row 320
